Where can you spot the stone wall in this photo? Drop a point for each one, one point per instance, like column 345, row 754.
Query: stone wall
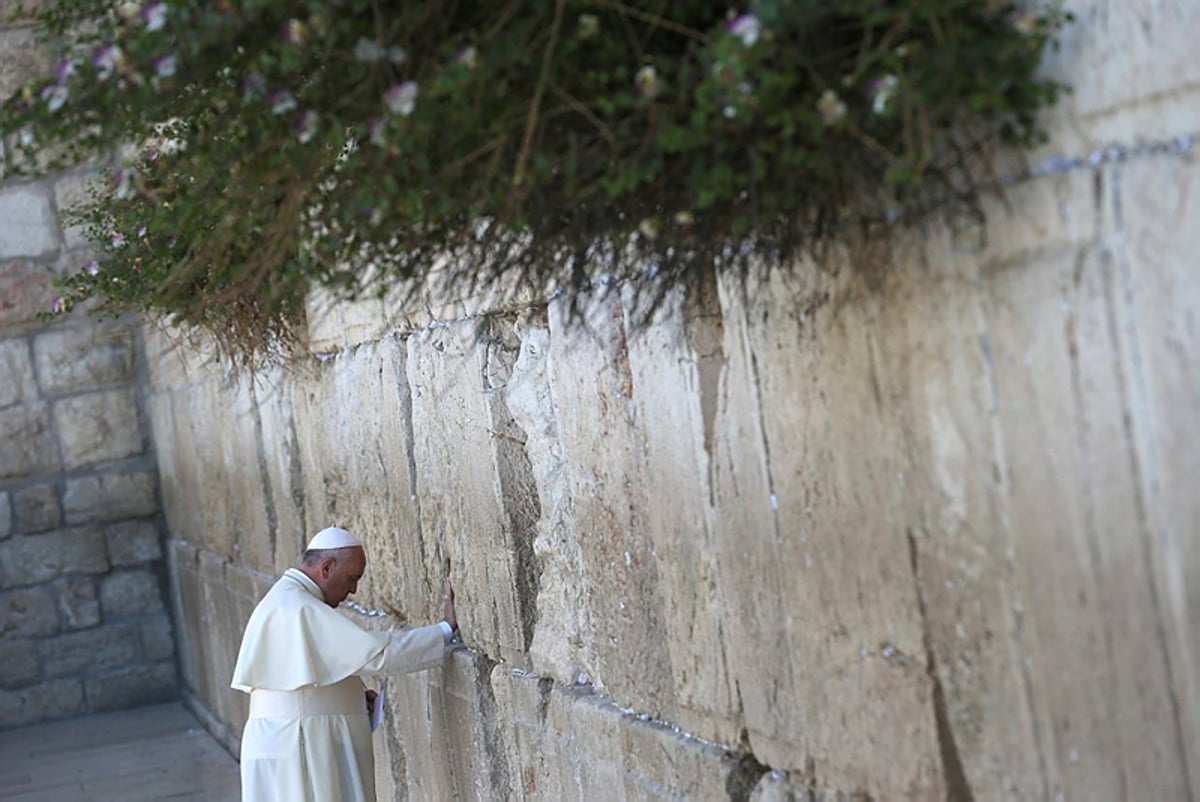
column 83, row 624
column 921, row 526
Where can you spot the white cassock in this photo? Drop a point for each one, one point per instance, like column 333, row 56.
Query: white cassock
column 308, row 738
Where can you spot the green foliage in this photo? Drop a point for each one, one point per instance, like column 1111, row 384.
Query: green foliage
column 273, row 146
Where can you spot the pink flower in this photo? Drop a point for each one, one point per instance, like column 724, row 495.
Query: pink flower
column 375, row 131
column 401, row 98
column 165, row 67
column 281, row 102
column 55, row 97
column 60, row 305
column 306, row 126
column 107, row 59
column 117, row 240
column 468, row 57
column 93, row 268
column 63, row 70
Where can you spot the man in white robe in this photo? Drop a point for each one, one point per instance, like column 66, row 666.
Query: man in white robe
column 308, row 737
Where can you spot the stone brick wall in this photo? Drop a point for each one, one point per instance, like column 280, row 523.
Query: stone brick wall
column 83, row 624
column 927, row 531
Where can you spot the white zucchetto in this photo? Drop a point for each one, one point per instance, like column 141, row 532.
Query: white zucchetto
column 332, row 537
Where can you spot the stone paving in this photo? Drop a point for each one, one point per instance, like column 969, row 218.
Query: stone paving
column 158, row 752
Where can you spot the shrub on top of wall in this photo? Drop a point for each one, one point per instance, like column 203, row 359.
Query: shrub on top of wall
column 276, row 146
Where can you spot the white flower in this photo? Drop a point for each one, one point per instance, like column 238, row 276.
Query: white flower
column 306, row 126
column 648, row 228
column 589, row 26
column 166, row 66
column 106, row 60
column 117, row 239
column 881, row 91
column 646, row 80
column 128, row 11
column 401, row 98
column 375, row 131
column 55, row 97
column 747, row 28
column 830, row 107
column 684, row 219
column 281, row 102
column 93, row 268
column 294, row 31
column 468, row 57
column 60, row 305
column 155, row 16
column 366, row 50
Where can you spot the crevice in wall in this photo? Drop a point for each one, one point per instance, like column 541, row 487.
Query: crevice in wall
column 704, row 327
column 958, row 788
column 493, row 740
column 744, row 777
column 405, row 402
column 263, row 474
column 518, row 486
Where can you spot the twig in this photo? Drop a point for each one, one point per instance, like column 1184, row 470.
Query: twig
column 535, row 105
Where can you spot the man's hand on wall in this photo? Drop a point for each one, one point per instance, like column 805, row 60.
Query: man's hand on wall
column 448, row 604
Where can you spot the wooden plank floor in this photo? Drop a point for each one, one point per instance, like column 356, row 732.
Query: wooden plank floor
column 150, row 753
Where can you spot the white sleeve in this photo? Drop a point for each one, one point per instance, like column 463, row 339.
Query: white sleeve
column 409, row 650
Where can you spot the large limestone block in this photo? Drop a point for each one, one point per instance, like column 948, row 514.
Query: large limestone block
column 603, row 444
column 131, row 687
column 465, row 500
column 19, row 664
column 27, row 613
column 132, row 542
column 88, row 650
column 282, row 466
column 109, row 497
column 78, row 607
column 156, row 639
column 82, row 358
column 126, row 593
column 6, row 516
column 17, row 369
column 827, row 650
column 37, row 508
column 41, row 702
column 27, row 446
column 98, row 427
column 1155, row 294
column 25, row 290
column 28, row 223
column 37, row 558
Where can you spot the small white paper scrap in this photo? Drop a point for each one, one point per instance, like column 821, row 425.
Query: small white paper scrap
column 377, row 710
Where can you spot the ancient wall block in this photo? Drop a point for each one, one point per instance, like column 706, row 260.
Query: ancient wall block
column 81, row 358
column 88, row 650
column 47, row 700
column 138, row 685
column 37, row 508
column 36, row 558
column 18, row 663
column 27, row 613
column 132, row 542
column 98, row 427
column 78, row 606
column 17, row 368
column 28, row 223
column 27, row 446
column 281, row 463
column 25, row 290
column 110, row 497
column 129, row 593
column 155, row 638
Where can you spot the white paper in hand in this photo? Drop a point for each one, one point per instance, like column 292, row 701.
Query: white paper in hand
column 377, row 710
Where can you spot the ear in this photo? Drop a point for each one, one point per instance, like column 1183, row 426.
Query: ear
column 327, row 566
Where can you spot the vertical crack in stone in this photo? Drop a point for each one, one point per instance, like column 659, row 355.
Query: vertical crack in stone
column 958, row 789
column 545, row 685
column 405, row 402
column 493, row 739
column 264, row 476
column 518, row 487
column 705, row 331
column 296, row 474
column 1132, row 384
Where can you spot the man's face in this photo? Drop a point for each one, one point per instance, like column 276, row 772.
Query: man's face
column 340, row 576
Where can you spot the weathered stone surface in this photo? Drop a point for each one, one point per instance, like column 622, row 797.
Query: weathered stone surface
column 129, row 593
column 27, row 446
column 140, row 685
column 21, row 58
column 78, row 607
column 155, row 638
column 37, row 558
column 37, row 508
column 6, row 516
column 17, row 369
column 49, row 700
column 98, row 427
column 132, row 542
column 28, row 224
column 109, row 497
column 82, row 358
column 25, row 290
column 88, row 650
column 18, row 663
column 27, row 613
